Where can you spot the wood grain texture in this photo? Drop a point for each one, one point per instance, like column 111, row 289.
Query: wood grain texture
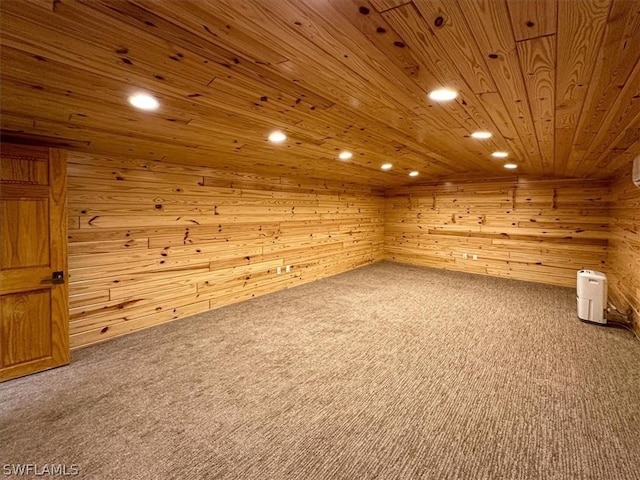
column 497, row 44
column 24, row 219
column 554, row 81
column 26, row 328
column 465, row 57
column 535, row 230
column 157, row 241
column 537, row 58
column 34, row 312
column 581, row 26
column 533, row 18
column 21, row 170
column 613, row 71
column 624, row 247
column 382, row 5
column 58, row 253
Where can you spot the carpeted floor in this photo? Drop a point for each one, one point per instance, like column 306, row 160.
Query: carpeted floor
column 385, row 372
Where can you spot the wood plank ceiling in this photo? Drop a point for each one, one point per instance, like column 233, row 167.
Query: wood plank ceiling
column 556, row 82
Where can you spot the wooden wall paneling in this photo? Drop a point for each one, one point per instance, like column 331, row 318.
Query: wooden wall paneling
column 202, row 253
column 196, row 238
column 307, row 271
column 623, row 260
column 117, row 284
column 100, row 334
column 581, row 26
column 513, row 226
column 89, row 317
column 107, row 246
column 93, row 296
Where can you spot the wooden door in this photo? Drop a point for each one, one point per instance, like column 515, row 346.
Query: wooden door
column 34, row 313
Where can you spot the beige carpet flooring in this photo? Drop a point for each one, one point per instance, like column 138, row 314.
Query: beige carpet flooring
column 384, row 372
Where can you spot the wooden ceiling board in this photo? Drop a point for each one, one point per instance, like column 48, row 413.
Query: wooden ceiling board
column 556, row 82
column 412, row 27
column 620, row 164
column 533, row 18
column 394, row 122
column 537, row 59
column 461, row 121
column 382, row 5
column 393, row 116
column 465, row 57
column 581, row 26
column 613, row 73
column 438, row 57
column 496, row 41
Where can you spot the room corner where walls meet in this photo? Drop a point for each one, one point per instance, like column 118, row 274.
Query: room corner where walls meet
column 150, row 242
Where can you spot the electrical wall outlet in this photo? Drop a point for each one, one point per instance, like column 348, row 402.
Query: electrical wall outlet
column 287, row 268
column 475, row 256
column 465, row 256
column 278, row 270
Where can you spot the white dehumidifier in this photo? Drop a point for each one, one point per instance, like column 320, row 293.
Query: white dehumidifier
column 592, row 296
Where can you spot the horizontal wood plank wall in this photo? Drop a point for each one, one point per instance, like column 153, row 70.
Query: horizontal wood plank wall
column 535, row 230
column 624, row 247
column 150, row 242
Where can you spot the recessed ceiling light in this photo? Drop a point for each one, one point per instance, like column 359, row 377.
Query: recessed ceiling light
column 500, row 154
column 443, row 95
column 481, row 135
column 277, row 137
column 144, row 101
column 415, row 173
column 386, row 166
column 510, row 166
column 345, row 155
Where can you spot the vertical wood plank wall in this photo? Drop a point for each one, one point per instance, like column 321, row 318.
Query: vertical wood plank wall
column 150, row 242
column 535, row 230
column 624, row 247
